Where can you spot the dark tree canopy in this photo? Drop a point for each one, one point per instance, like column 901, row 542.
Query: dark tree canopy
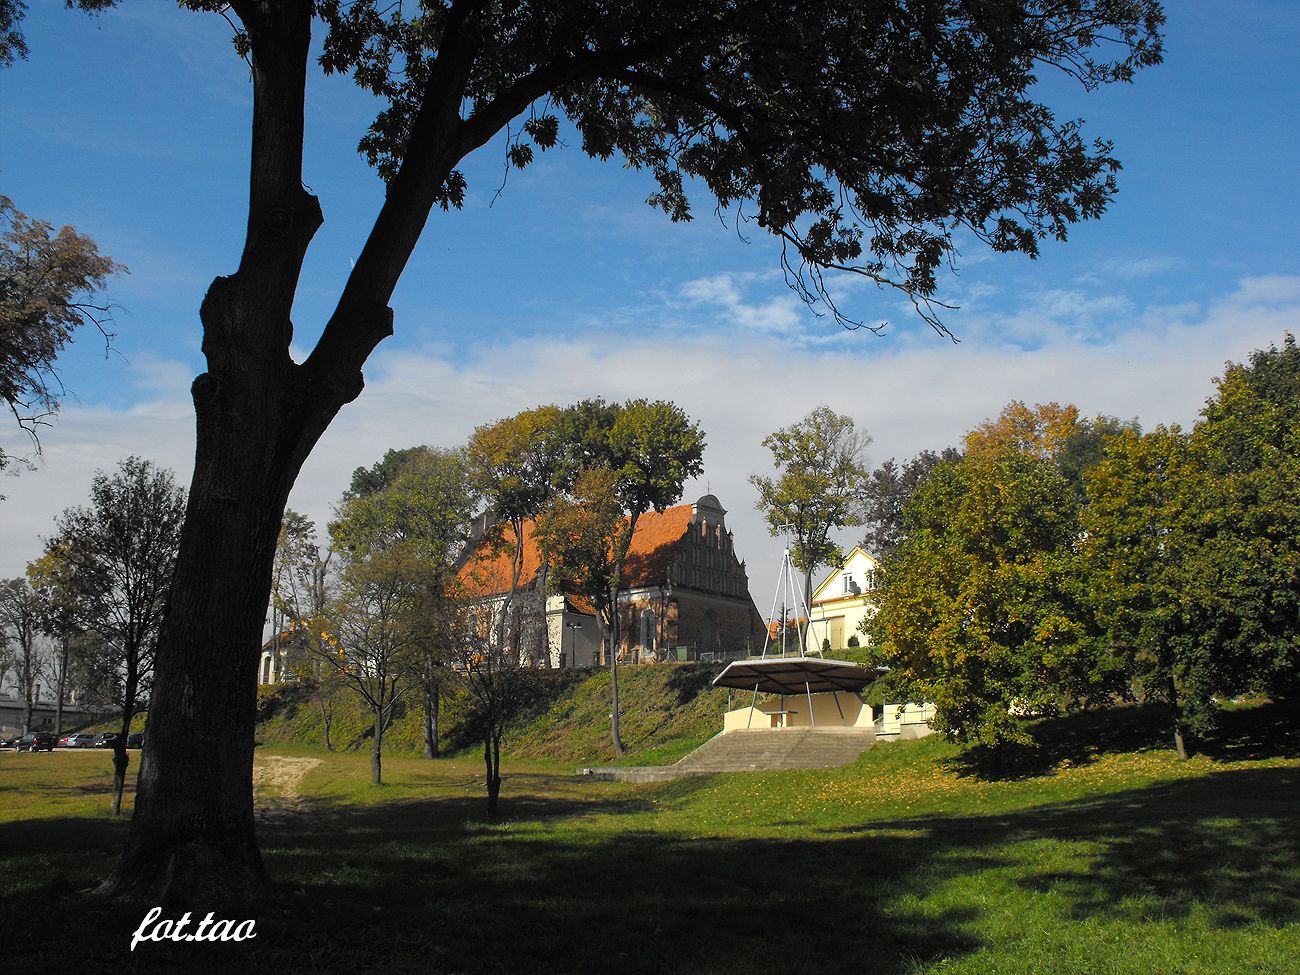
column 47, row 280
column 887, row 491
column 863, row 135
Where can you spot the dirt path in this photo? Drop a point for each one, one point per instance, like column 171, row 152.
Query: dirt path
column 276, row 779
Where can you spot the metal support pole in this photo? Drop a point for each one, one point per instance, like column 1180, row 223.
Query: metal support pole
column 750, row 720
column 812, row 719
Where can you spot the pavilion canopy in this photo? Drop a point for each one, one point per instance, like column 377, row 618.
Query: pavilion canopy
column 794, row 675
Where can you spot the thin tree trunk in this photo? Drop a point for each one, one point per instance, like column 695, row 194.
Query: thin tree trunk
column 1180, row 745
column 376, row 757
column 120, row 759
column 608, row 639
column 492, row 765
column 327, row 718
column 120, row 763
column 432, row 701
column 61, row 688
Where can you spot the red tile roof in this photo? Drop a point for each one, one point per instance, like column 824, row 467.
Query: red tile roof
column 488, row 570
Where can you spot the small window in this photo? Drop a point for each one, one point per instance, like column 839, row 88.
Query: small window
column 848, row 583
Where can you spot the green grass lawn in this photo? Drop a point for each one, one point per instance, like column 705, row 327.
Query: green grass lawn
column 1098, row 852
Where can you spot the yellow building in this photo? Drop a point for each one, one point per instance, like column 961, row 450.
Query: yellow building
column 842, row 602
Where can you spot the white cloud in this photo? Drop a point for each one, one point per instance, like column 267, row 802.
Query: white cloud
column 910, row 395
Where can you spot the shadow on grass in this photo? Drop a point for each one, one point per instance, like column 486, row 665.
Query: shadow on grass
column 1246, row 734
column 688, row 681
column 1228, row 842
column 423, row 886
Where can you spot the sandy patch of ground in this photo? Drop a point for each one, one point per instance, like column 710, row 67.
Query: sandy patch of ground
column 276, row 779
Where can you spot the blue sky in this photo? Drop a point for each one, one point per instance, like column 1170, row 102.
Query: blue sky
column 132, row 126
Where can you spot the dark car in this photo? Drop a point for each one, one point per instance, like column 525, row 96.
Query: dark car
column 36, row 741
column 9, row 741
column 135, row 739
column 106, row 739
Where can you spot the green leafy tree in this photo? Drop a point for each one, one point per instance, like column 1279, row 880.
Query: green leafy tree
column 1145, row 499
column 1248, row 443
column 982, row 611
column 865, row 139
column 388, row 630
column 819, row 488
column 47, row 283
column 120, row 554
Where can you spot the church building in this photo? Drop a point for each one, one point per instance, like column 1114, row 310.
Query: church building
column 684, row 595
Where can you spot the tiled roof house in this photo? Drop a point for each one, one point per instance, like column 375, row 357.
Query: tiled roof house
column 685, row 594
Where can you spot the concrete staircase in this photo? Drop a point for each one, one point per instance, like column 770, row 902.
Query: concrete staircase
column 755, row 751
column 751, row 751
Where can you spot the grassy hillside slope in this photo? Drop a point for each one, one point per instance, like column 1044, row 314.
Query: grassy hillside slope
column 667, row 710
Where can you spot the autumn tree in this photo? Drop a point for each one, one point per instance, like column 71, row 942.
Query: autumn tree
column 119, row 555
column 370, row 642
column 868, row 140
column 983, row 611
column 499, row 690
column 48, row 283
column 819, row 487
column 517, row 463
column 1061, row 434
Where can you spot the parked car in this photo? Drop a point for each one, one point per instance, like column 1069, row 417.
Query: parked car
column 9, row 741
column 135, row 739
column 36, row 741
column 82, row 739
column 106, row 739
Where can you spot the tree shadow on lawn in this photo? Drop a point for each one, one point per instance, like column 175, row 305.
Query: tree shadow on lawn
column 1228, row 843
column 1248, row 734
column 426, row 887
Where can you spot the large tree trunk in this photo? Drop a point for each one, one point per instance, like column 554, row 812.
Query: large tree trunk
column 192, row 836
column 258, row 417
